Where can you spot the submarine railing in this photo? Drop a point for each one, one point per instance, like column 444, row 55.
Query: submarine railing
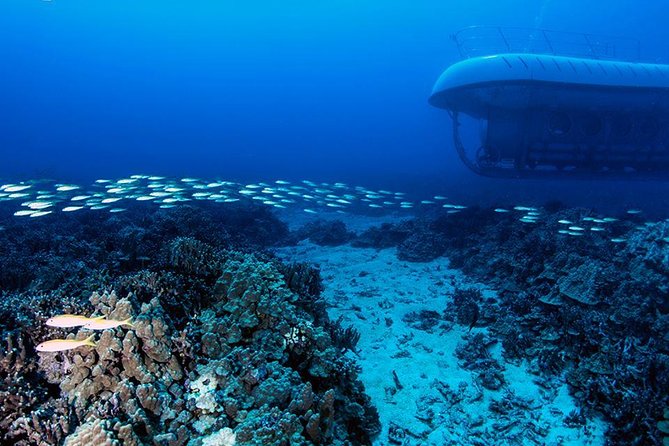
column 477, row 41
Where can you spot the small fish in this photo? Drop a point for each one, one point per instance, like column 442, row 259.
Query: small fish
column 39, row 214
column 524, row 208
column 37, row 205
column 576, row 228
column 69, row 320
column 310, row 211
column 634, row 211
column 565, row 222
column 596, row 229
column 501, row 211
column 72, row 208
column 15, row 188
column 115, row 210
column 66, row 188
column 104, row 324
column 23, row 213
column 61, row 345
column 618, row 240
column 475, row 316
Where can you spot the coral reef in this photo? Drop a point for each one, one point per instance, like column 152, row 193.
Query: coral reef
column 67, row 253
column 324, row 233
column 227, row 346
column 385, row 236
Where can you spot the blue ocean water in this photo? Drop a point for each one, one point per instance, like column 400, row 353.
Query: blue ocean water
column 294, row 90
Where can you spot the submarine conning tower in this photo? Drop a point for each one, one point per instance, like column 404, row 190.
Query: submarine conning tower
column 557, row 104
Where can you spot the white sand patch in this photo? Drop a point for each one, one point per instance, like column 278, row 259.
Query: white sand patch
column 439, row 402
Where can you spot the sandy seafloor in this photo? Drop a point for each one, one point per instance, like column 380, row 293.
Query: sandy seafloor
column 372, row 290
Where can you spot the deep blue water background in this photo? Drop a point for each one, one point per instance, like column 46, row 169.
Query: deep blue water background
column 331, row 91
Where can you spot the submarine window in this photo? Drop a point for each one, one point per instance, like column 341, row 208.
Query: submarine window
column 621, row 126
column 559, row 123
column 648, row 127
column 591, row 124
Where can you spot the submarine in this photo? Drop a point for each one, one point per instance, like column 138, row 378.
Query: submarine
column 555, row 104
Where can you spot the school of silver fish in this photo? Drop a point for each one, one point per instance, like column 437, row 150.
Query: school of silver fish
column 41, row 198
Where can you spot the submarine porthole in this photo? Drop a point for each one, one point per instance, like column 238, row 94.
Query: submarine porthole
column 621, row 126
column 591, row 124
column 559, row 123
column 648, row 127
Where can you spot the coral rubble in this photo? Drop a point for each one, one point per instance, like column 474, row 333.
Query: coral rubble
column 584, row 309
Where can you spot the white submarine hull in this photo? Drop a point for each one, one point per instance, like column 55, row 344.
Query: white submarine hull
column 558, row 115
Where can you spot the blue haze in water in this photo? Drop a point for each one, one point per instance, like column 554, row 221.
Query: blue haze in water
column 328, row 91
